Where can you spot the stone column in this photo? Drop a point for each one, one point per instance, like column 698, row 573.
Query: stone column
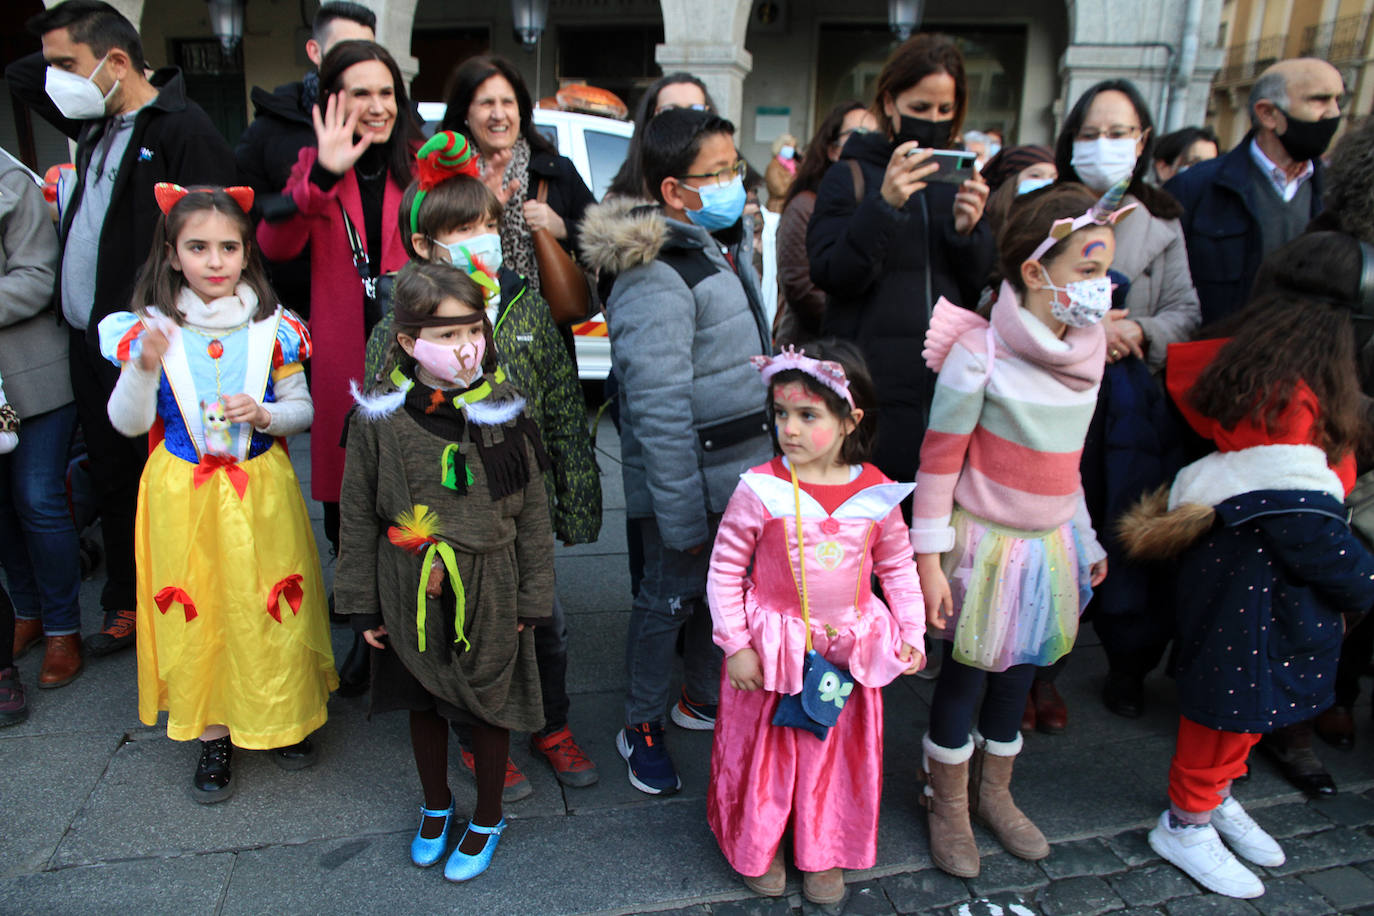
column 395, row 20
column 706, row 38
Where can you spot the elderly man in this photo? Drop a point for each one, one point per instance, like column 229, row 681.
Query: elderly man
column 131, row 131
column 1261, row 195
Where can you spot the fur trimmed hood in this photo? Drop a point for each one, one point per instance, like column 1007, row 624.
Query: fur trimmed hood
column 1164, row 523
column 623, row 233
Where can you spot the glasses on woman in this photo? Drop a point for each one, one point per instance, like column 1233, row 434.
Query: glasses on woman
column 1115, row 132
column 723, row 177
column 697, row 107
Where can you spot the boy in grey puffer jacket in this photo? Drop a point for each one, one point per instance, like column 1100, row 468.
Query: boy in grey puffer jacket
column 684, row 316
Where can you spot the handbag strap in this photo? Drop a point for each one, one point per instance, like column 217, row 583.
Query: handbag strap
column 801, row 558
column 355, row 242
column 543, row 194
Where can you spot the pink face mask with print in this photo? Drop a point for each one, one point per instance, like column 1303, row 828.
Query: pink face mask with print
column 451, row 365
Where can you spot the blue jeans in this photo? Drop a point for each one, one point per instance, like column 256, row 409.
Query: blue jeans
column 672, row 597
column 39, row 549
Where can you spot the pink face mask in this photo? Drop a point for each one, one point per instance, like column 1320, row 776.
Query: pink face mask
column 450, row 365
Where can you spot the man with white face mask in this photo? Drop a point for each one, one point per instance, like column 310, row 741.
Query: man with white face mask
column 131, row 131
column 1259, row 196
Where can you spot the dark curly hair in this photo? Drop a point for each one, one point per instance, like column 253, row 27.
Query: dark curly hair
column 1349, row 185
column 858, row 445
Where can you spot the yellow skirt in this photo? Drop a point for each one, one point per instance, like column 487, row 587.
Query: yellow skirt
column 233, row 627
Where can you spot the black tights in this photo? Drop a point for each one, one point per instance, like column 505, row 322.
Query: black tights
column 956, row 696
column 490, row 748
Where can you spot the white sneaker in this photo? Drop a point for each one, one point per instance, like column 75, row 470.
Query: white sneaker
column 1243, row 835
column 1200, row 854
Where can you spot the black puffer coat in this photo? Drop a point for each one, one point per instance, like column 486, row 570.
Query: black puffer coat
column 882, row 270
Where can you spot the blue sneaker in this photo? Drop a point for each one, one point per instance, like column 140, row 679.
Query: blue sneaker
column 651, row 769
column 425, row 851
column 698, row 717
column 463, row 867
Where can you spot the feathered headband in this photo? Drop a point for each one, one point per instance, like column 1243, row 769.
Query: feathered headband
column 169, row 194
column 827, row 372
column 443, row 156
column 1106, row 212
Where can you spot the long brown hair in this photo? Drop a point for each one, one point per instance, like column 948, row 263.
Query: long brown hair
column 1296, row 327
column 465, row 81
column 915, row 59
column 159, row 283
column 816, row 160
column 406, row 136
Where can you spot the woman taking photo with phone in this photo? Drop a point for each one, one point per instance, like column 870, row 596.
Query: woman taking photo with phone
column 886, row 241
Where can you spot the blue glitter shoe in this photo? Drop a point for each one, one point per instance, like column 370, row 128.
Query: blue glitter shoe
column 463, row 867
column 425, row 851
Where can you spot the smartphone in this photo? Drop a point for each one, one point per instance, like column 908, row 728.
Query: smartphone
column 956, row 165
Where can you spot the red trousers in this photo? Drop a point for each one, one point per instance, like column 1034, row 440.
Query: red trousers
column 1205, row 761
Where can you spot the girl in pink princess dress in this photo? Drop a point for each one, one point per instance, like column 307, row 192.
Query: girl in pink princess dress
column 793, row 608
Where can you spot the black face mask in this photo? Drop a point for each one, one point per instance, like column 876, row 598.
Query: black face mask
column 1308, row 139
column 927, row 134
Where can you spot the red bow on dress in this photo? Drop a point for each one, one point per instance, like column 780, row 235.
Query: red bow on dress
column 209, row 464
column 290, row 589
column 169, row 193
column 172, row 595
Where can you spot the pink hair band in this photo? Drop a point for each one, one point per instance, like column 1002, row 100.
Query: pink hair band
column 828, row 372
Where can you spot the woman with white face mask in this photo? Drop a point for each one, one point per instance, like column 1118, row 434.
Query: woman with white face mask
column 1108, row 138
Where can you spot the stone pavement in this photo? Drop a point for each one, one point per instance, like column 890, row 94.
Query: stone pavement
column 96, row 817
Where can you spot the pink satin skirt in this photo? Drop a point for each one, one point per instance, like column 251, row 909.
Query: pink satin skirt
column 762, row 776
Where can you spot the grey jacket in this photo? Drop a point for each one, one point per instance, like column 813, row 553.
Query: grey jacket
column 1153, row 254
column 33, row 346
column 682, row 325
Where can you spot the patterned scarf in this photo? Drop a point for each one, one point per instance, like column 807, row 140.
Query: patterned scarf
column 517, row 244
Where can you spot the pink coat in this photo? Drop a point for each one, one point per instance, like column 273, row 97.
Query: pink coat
column 336, row 300
column 754, row 578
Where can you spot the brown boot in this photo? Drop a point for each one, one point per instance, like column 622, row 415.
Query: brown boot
column 772, row 882
column 991, row 802
column 823, row 888
column 27, row 634
column 61, row 661
column 952, row 847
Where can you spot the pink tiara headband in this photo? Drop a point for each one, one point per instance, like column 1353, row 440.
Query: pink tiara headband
column 1106, row 212
column 828, row 372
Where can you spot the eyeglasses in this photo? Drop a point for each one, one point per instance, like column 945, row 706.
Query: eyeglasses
column 723, row 177
column 697, row 107
column 1115, row 132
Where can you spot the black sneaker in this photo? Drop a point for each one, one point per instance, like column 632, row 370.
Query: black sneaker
column 117, row 635
column 14, row 708
column 296, row 757
column 213, row 781
column 650, row 768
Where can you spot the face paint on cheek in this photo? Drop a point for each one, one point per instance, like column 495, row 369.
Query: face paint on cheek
column 821, row 439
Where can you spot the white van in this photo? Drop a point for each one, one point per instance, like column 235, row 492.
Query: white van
column 597, row 147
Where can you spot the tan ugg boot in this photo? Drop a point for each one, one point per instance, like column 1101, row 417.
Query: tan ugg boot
column 952, row 847
column 991, row 803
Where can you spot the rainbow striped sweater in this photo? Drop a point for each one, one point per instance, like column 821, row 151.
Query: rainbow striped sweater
column 1012, row 407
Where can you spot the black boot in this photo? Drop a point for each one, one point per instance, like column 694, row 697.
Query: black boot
column 213, row 781
column 355, row 673
column 1291, row 748
column 296, row 757
column 1124, row 694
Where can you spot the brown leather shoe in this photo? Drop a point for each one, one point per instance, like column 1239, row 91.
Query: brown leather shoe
column 27, row 634
column 61, row 661
column 1028, row 715
column 1336, row 726
column 823, row 888
column 1051, row 715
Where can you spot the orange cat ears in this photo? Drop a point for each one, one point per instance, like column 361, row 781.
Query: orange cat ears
column 168, row 194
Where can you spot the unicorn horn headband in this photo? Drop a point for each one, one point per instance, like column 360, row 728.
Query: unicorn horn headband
column 443, row 156
column 1106, row 212
column 827, row 372
column 169, row 194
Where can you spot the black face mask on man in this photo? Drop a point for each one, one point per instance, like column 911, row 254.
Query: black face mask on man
column 1308, row 139
column 927, row 134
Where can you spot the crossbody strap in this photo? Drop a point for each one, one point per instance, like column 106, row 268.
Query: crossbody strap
column 355, row 242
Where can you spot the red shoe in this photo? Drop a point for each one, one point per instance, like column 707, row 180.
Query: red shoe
column 1051, row 715
column 118, row 634
column 570, row 764
column 27, row 634
column 517, row 786
column 1028, row 715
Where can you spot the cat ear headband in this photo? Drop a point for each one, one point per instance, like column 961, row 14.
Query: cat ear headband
column 443, row 156
column 168, row 194
column 827, row 372
column 1106, row 212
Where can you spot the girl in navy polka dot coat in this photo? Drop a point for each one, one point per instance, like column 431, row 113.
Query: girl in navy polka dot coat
column 1267, row 564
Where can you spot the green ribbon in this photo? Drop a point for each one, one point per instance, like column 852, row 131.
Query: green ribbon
column 445, row 553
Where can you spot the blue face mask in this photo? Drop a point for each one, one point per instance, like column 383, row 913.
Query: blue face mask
column 1033, row 184
column 721, row 207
